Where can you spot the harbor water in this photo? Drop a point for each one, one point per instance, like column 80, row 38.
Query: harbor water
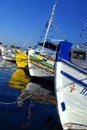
column 26, row 103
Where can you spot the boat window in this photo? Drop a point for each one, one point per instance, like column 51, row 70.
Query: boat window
column 37, row 53
column 79, row 55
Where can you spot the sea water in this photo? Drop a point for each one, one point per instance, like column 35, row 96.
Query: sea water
column 29, row 113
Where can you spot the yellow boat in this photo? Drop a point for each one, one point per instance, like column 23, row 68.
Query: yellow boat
column 21, row 59
column 19, row 78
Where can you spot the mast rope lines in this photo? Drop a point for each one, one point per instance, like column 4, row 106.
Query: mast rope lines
column 84, row 29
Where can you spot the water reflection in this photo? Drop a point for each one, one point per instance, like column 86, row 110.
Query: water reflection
column 40, row 90
column 26, row 103
column 19, row 78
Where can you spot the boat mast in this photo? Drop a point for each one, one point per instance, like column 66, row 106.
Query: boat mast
column 49, row 23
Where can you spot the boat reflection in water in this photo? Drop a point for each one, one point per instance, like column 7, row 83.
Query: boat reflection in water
column 19, row 78
column 43, row 113
column 40, row 89
column 26, row 103
column 12, row 114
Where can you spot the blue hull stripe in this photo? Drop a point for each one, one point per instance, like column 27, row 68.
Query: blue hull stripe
column 74, row 66
column 74, row 79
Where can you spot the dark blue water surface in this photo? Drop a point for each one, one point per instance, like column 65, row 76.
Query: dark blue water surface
column 27, row 114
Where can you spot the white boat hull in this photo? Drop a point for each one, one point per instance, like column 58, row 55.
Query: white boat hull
column 7, row 54
column 37, row 71
column 37, row 68
column 8, row 58
column 71, row 93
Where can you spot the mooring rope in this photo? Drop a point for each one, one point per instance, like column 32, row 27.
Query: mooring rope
column 19, row 101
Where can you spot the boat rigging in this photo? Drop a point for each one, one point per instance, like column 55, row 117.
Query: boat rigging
column 49, row 23
column 84, row 29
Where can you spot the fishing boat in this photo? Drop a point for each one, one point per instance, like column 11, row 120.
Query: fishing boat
column 41, row 61
column 8, row 53
column 41, row 65
column 6, row 64
column 70, row 88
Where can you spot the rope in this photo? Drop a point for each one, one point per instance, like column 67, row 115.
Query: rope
column 19, row 101
column 59, row 31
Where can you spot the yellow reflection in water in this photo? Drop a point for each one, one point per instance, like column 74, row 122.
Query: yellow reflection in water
column 19, row 79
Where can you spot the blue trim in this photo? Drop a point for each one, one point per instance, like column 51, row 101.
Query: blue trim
column 74, row 66
column 63, row 51
column 73, row 78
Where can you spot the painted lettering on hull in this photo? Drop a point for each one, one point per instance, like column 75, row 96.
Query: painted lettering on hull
column 84, row 91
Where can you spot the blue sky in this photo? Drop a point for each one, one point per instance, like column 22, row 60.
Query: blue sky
column 23, row 21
